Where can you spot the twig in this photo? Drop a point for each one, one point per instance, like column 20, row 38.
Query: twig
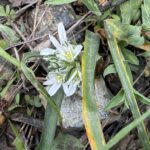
column 21, row 35
column 21, row 11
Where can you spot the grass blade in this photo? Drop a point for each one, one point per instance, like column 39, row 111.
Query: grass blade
column 90, row 112
column 122, row 133
column 126, row 84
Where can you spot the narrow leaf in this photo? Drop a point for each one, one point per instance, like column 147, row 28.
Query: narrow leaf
column 116, row 100
column 125, row 81
column 31, row 77
column 130, row 56
column 90, row 111
column 142, row 98
column 122, row 133
column 110, row 69
column 146, row 15
column 50, row 123
column 10, row 33
column 9, row 58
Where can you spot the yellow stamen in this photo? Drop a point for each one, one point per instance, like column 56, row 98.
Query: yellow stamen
column 59, row 78
column 69, row 55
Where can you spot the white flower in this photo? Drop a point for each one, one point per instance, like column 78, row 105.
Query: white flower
column 71, row 85
column 54, row 82
column 64, row 50
column 64, row 69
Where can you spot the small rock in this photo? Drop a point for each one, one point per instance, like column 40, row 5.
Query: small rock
column 52, row 17
column 71, row 108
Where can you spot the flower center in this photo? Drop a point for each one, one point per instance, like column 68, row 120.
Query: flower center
column 59, row 78
column 69, row 55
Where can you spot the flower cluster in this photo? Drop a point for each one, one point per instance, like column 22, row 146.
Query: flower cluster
column 64, row 65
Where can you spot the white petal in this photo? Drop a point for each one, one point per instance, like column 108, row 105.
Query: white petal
column 55, row 42
column 47, row 51
column 69, row 89
column 62, row 33
column 77, row 50
column 49, row 82
column 53, row 89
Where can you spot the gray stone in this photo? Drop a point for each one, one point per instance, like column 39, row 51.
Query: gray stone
column 48, row 25
column 71, row 108
column 52, row 17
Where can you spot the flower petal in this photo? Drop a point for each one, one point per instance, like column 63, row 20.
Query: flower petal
column 62, row 33
column 69, row 89
column 49, row 82
column 77, row 50
column 53, row 89
column 55, row 42
column 47, row 51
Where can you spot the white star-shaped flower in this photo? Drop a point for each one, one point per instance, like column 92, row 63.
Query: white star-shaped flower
column 64, row 50
column 62, row 60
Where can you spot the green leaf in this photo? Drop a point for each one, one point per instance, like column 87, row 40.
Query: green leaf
column 125, row 9
column 116, row 100
column 17, row 98
column 130, row 56
column 125, row 131
column 3, row 44
column 125, row 81
column 10, row 33
column 142, row 98
column 92, row 6
column 9, row 58
column 110, row 69
column 50, row 122
column 6, row 88
column 128, row 33
column 2, row 11
column 129, row 10
column 89, row 108
column 31, row 77
column 58, row 2
column 66, row 142
column 146, row 15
